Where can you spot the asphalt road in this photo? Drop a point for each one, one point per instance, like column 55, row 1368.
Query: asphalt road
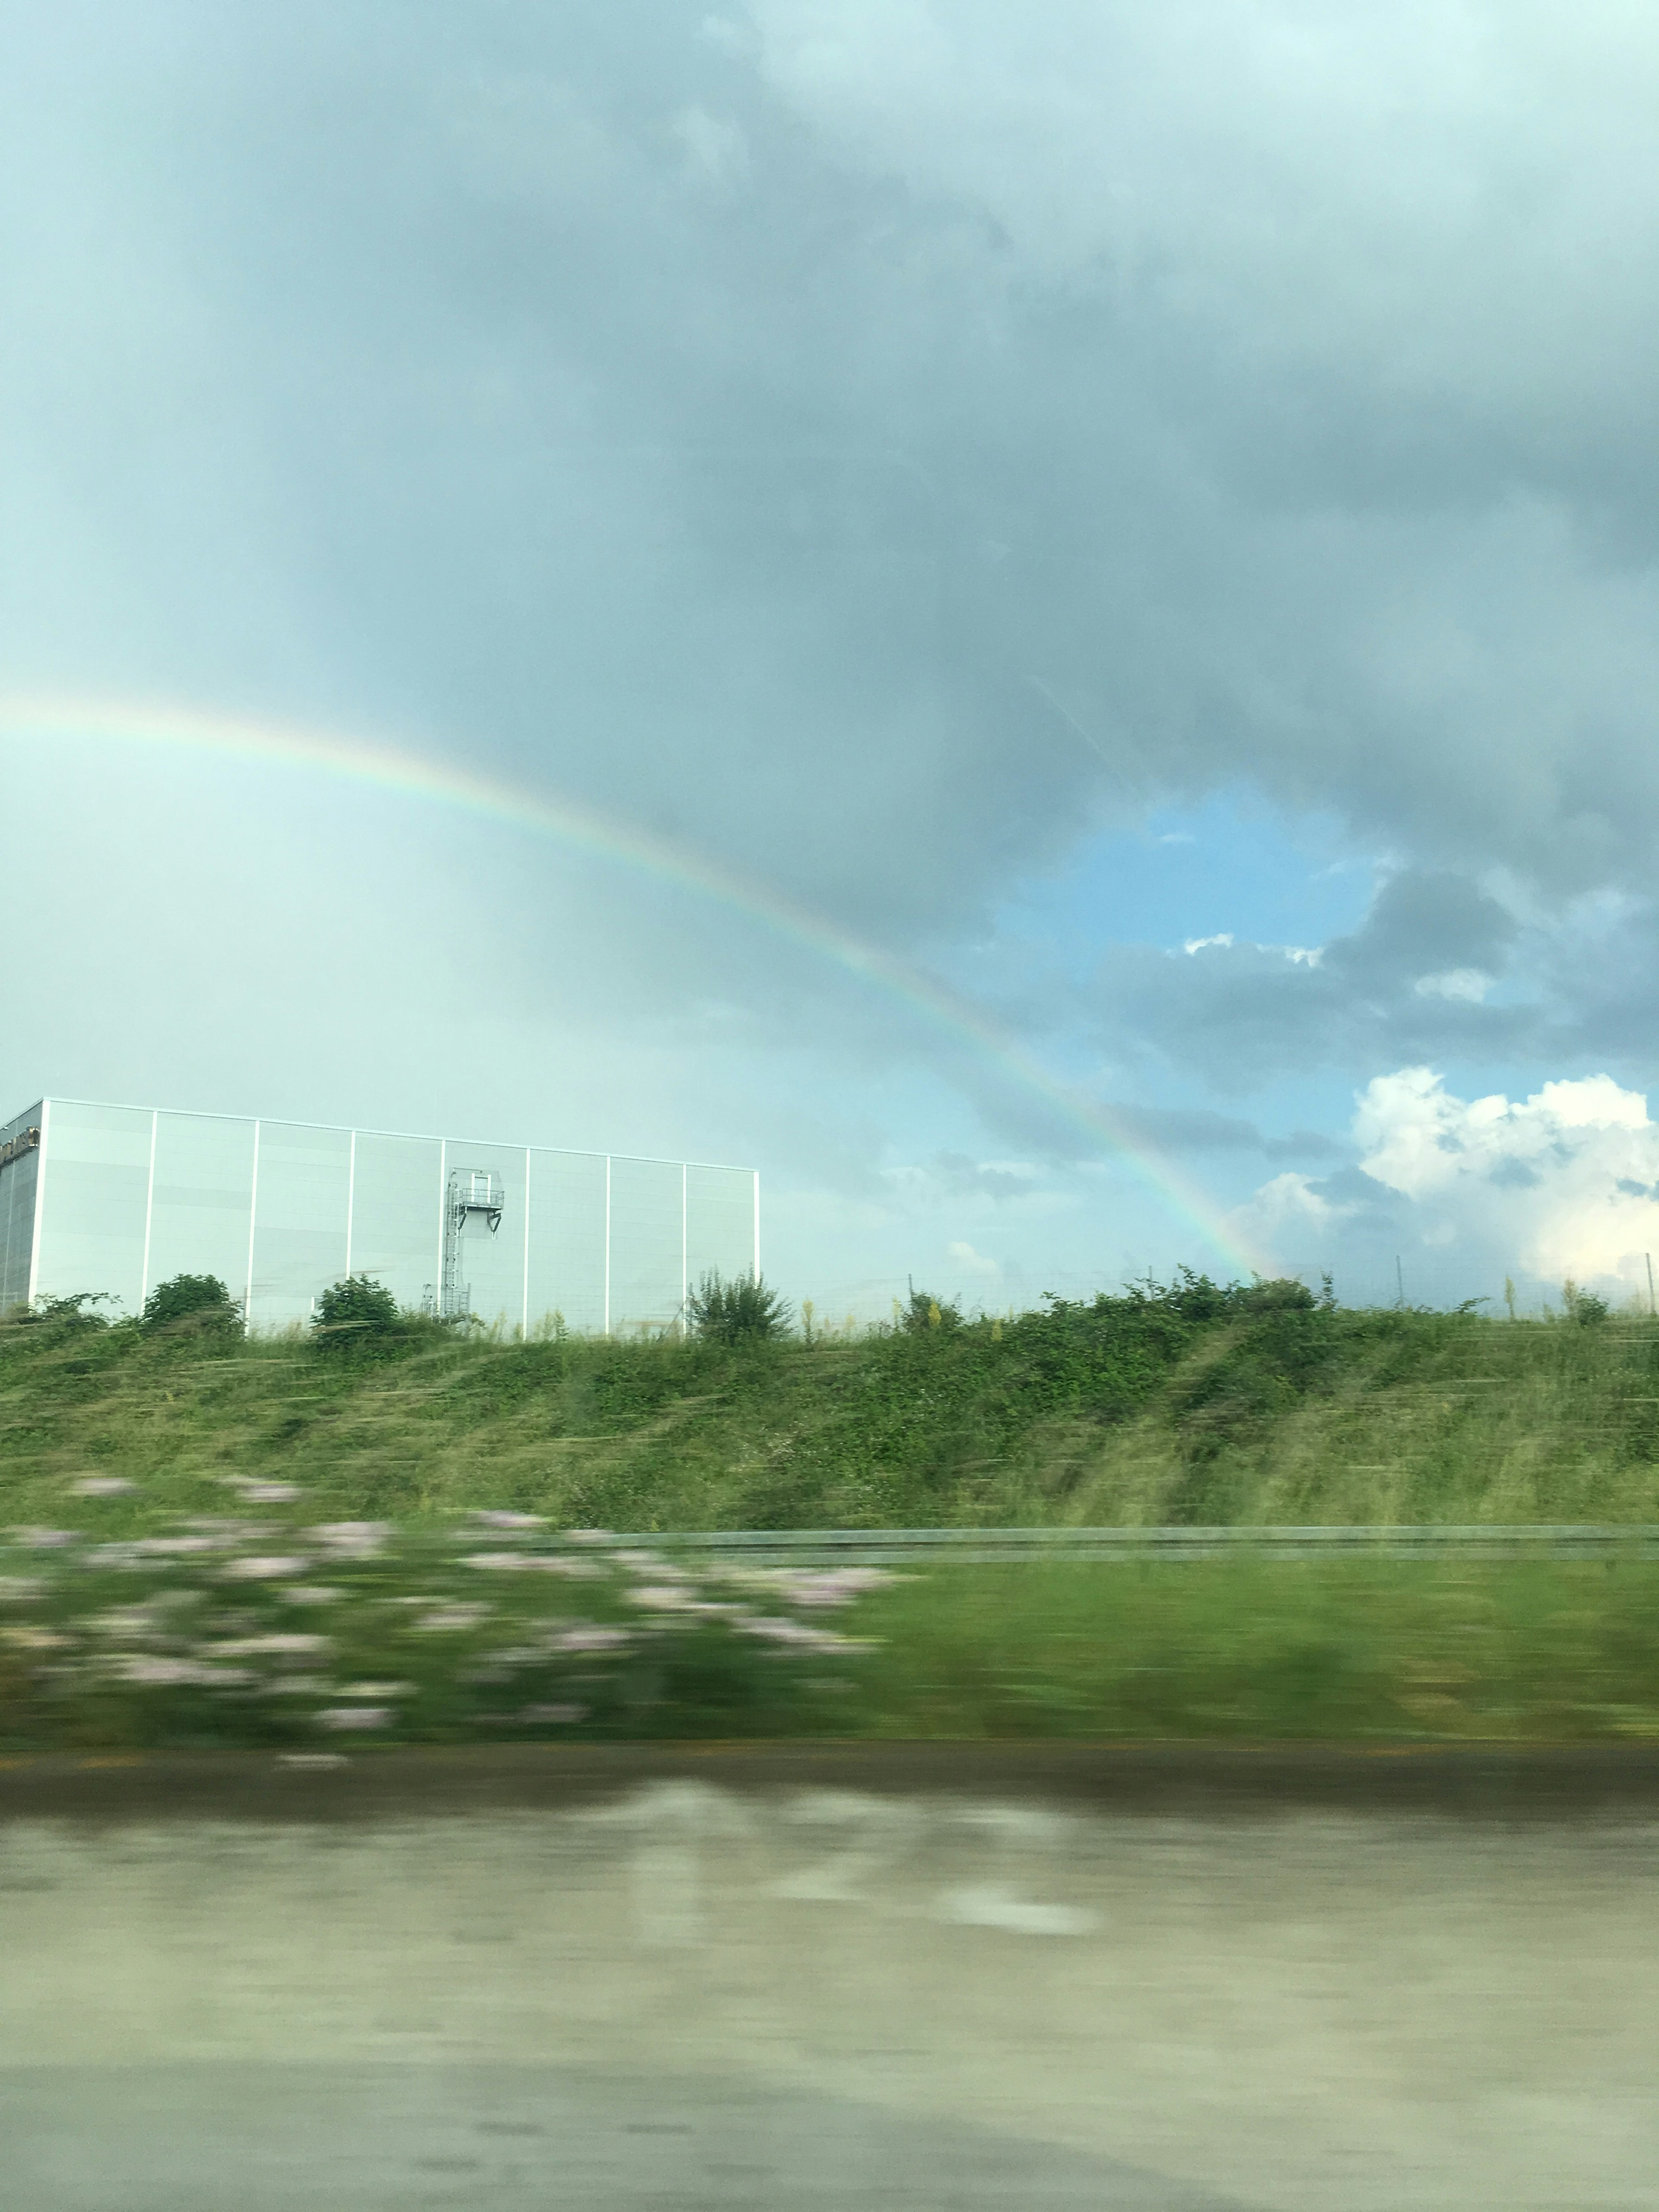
column 876, row 1980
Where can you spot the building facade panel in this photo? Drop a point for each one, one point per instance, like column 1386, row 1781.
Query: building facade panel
column 721, row 1224
column 566, row 1220
column 201, row 1189
column 396, row 1213
column 648, row 1245
column 302, row 1188
column 93, row 1198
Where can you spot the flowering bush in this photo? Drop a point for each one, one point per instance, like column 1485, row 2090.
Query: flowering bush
column 232, row 1630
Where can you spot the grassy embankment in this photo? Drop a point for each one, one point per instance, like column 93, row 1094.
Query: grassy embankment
column 1130, row 1411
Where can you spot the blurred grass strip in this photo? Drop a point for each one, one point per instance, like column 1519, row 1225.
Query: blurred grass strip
column 1331, row 1650
column 1272, row 1649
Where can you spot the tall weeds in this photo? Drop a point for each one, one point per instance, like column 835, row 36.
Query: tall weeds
column 1160, row 1405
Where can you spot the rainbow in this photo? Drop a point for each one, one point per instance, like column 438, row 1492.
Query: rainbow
column 410, row 775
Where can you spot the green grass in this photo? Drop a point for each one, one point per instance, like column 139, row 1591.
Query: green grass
column 1334, row 1649
column 282, row 1633
column 1373, row 1650
column 1132, row 1411
column 1122, row 1411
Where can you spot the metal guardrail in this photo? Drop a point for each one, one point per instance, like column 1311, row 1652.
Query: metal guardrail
column 898, row 1547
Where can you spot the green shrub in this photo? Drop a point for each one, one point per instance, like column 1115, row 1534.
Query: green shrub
column 745, row 1309
column 357, row 1312
column 198, row 1305
column 75, row 1311
column 1583, row 1307
column 925, row 1313
column 1283, row 1294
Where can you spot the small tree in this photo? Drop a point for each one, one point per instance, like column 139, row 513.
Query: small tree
column 193, row 1304
column 745, row 1309
column 357, row 1310
column 1279, row 1294
column 926, row 1315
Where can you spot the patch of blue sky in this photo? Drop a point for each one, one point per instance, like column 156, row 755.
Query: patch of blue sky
column 1227, row 868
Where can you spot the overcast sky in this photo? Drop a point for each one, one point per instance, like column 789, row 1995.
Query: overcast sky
column 1145, row 516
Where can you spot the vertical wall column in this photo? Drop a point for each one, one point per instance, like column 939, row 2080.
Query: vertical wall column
column 150, row 1211
column 524, row 1325
column 39, row 1198
column 443, row 1197
column 252, row 1225
column 351, row 1197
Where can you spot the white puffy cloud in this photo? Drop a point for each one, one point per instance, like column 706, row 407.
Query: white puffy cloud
column 971, row 1261
column 1284, row 1214
column 1564, row 1182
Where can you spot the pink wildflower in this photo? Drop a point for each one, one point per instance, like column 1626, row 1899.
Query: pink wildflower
column 128, row 1624
column 258, row 1569
column 355, row 1540
column 835, row 1586
column 246, row 1646
column 143, row 1667
column 795, row 1633
column 498, row 1562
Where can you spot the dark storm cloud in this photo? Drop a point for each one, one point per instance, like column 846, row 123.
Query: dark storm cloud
column 875, row 444
column 1408, row 984
column 1340, row 472
column 1170, row 1131
column 1175, row 1129
column 740, row 420
column 957, row 1175
column 1424, row 923
column 574, row 420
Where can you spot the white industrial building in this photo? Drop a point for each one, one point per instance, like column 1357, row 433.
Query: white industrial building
column 117, row 1199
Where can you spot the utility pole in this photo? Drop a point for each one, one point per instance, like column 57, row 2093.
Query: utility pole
column 1399, row 1281
column 1648, row 1257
